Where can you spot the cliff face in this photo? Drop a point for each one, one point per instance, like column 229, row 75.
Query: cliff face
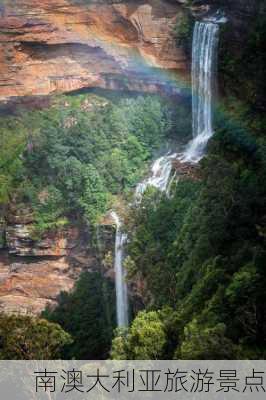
column 34, row 271
column 27, row 286
column 54, row 46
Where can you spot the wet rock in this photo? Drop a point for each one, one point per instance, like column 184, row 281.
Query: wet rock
column 187, row 170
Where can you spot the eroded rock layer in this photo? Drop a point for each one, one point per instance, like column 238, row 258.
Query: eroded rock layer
column 33, row 271
column 54, row 46
column 27, row 286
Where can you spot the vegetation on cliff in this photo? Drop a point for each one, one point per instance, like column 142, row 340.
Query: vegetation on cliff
column 70, row 160
column 206, row 261
column 242, row 60
column 204, row 267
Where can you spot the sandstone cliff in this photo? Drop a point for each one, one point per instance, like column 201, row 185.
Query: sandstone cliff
column 34, row 271
column 54, row 46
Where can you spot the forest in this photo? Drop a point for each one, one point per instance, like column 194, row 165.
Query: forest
column 195, row 254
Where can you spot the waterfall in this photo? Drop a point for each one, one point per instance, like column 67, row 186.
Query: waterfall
column 159, row 178
column 204, row 54
column 120, row 282
column 160, row 173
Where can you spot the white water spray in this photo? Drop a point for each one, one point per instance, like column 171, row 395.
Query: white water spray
column 204, row 54
column 120, row 276
column 160, row 173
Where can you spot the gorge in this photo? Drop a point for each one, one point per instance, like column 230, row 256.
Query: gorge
column 132, row 177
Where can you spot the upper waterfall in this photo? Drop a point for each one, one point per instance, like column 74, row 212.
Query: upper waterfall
column 204, row 55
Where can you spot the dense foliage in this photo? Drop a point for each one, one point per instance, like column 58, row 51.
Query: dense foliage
column 243, row 60
column 152, row 241
column 184, row 31
column 145, row 341
column 28, row 338
column 207, row 259
column 12, row 144
column 88, row 315
column 78, row 155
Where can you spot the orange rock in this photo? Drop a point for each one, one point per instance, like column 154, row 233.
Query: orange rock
column 53, row 46
column 28, row 287
column 34, row 272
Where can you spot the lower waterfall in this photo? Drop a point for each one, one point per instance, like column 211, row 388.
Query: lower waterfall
column 159, row 178
column 120, row 276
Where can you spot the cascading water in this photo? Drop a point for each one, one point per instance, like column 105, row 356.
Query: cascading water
column 160, row 174
column 204, row 54
column 120, row 281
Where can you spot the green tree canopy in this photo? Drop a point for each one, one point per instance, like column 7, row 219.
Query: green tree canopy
column 88, row 314
column 29, row 338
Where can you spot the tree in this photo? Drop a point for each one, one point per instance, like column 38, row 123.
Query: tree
column 12, row 144
column 145, row 339
column 30, row 338
column 94, row 198
column 205, row 343
column 152, row 243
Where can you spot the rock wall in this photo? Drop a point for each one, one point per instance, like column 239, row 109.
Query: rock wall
column 54, row 46
column 27, row 286
column 34, row 271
